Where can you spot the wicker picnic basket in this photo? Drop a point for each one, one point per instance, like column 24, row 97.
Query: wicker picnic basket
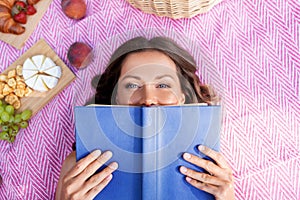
column 174, row 8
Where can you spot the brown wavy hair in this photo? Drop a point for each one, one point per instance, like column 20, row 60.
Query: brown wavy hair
column 193, row 89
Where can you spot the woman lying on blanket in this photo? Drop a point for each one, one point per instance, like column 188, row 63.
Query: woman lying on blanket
column 128, row 81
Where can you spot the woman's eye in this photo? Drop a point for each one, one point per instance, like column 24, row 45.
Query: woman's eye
column 163, row 86
column 131, row 86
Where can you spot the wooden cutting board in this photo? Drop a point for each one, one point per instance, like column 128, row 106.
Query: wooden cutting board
column 18, row 41
column 37, row 100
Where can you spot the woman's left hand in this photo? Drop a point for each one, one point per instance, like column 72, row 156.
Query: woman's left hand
column 219, row 182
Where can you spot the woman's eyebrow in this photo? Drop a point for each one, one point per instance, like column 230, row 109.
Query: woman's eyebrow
column 164, row 76
column 131, row 76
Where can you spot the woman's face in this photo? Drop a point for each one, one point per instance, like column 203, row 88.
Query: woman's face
column 149, row 78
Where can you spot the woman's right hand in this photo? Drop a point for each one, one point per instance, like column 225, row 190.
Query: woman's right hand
column 79, row 181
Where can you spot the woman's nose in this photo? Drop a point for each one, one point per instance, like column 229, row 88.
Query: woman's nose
column 148, row 96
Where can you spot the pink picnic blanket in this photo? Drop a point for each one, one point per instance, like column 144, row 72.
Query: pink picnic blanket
column 248, row 50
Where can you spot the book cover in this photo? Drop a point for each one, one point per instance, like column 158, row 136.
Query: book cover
column 147, row 143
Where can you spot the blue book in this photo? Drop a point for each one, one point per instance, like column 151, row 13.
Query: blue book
column 148, row 143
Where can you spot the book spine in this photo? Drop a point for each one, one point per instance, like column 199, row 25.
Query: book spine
column 149, row 127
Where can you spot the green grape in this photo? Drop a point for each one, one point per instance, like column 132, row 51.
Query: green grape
column 11, row 119
column 5, row 116
column 5, row 128
column 4, row 135
column 18, row 118
column 10, row 109
column 26, row 114
column 10, row 131
column 23, row 124
column 15, row 128
column 1, row 103
column 1, row 109
column 1, row 121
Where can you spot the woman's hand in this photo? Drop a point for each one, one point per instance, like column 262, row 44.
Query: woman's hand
column 219, row 182
column 79, row 181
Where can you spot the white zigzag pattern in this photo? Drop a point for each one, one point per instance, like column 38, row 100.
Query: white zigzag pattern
column 249, row 51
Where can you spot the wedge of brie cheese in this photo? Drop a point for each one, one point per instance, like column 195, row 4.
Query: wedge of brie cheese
column 48, row 63
column 50, row 81
column 41, row 73
column 54, row 71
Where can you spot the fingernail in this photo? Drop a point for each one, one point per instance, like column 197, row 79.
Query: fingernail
column 114, row 165
column 107, row 154
column 201, row 148
column 187, row 156
column 96, row 153
column 188, row 179
column 183, row 169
